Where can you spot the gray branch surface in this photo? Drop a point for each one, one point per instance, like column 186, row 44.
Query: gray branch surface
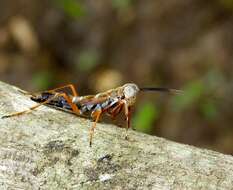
column 48, row 149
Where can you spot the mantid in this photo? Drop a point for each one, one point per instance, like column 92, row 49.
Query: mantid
column 111, row 102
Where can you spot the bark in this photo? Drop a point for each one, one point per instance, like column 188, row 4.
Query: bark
column 49, row 149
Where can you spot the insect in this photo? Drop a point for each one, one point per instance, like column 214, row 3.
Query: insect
column 111, row 102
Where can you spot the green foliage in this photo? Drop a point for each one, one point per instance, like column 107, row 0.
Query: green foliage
column 42, row 80
column 72, row 8
column 202, row 94
column 145, row 116
column 192, row 92
column 121, row 4
column 228, row 4
column 88, row 59
column 214, row 80
column 209, row 109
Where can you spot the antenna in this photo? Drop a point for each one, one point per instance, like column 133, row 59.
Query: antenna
column 161, row 89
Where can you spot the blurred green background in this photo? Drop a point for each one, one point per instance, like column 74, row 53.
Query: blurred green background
column 100, row 44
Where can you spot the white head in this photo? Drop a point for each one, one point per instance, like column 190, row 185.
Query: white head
column 130, row 91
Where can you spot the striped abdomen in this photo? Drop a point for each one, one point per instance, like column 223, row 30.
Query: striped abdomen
column 59, row 101
column 96, row 105
column 85, row 105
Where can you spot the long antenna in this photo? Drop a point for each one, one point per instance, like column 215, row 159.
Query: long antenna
column 161, row 89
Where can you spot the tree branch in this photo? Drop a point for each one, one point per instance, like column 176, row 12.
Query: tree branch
column 48, row 149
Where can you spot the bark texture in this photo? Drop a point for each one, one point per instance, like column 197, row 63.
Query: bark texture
column 48, row 149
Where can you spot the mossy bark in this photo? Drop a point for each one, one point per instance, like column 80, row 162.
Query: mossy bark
column 49, row 149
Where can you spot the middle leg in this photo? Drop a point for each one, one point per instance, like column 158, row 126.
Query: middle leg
column 95, row 115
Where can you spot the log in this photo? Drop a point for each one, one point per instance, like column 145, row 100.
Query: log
column 49, row 149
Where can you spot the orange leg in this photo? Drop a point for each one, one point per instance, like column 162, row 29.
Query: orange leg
column 69, row 86
column 128, row 117
column 116, row 110
column 95, row 115
column 29, row 110
column 73, row 106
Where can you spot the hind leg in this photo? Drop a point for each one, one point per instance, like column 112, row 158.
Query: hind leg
column 29, row 110
column 68, row 86
column 73, row 106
